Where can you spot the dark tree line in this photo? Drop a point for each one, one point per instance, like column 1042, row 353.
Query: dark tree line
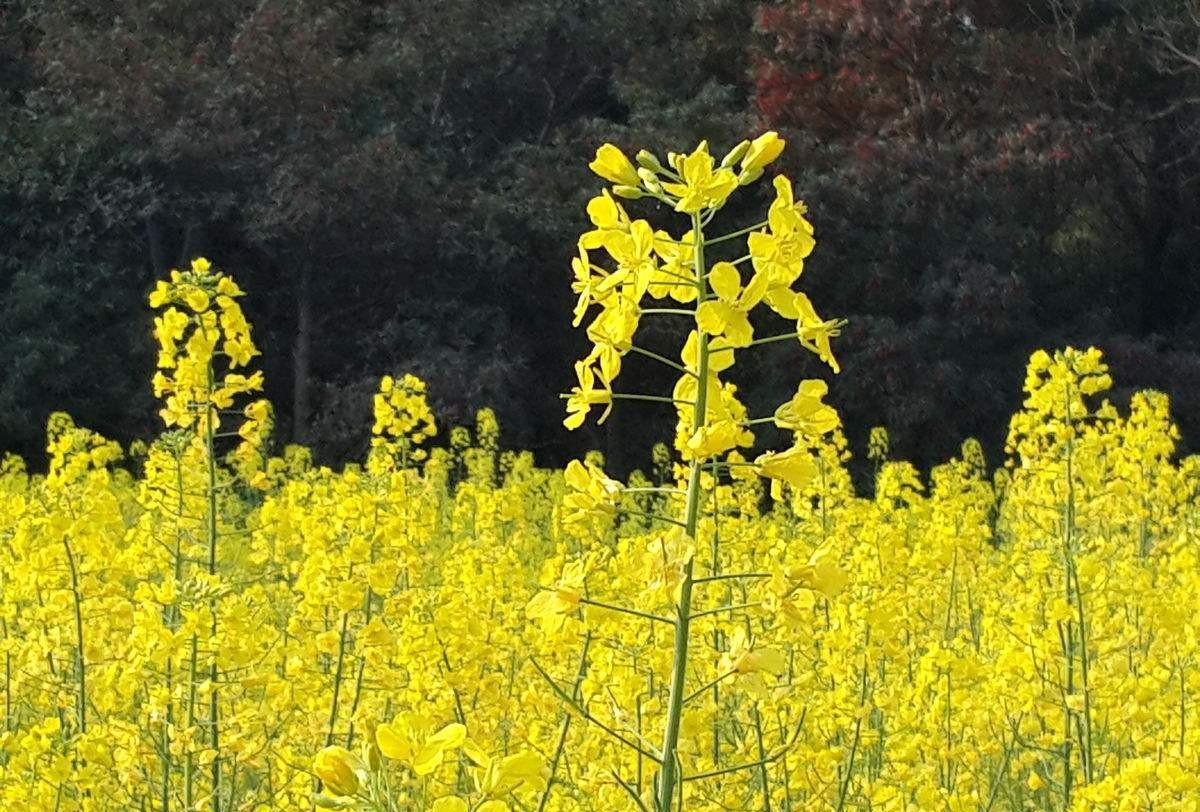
column 399, row 184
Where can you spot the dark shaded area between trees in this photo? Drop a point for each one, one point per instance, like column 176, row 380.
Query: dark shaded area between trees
column 398, row 185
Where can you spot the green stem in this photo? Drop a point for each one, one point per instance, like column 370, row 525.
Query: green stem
column 845, row 787
column 1084, row 676
column 712, row 684
column 668, row 777
column 211, row 532
column 667, row 311
column 757, row 341
column 172, row 617
column 574, row 705
column 362, row 663
column 714, row 569
column 649, row 398
column 81, row 698
column 1068, row 634
column 648, row 515
column 566, row 725
column 736, row 768
column 763, row 775
column 189, row 764
column 337, row 678
column 718, row 610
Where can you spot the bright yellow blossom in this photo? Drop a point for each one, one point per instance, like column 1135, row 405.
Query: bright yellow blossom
column 701, row 187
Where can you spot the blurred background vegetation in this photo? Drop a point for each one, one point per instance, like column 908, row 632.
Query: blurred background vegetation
column 398, row 184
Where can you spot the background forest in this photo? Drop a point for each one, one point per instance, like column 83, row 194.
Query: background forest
column 398, row 183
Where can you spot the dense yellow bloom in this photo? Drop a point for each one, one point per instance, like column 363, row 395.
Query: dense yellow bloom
column 195, row 387
column 946, row 588
column 403, row 422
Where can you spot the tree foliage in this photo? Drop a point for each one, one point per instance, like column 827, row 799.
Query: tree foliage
column 398, row 181
column 994, row 176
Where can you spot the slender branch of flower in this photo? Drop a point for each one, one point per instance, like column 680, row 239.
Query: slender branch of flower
column 707, row 685
column 662, row 359
column 671, row 311
column 721, row 609
column 584, row 714
column 735, row 234
column 731, row 576
column 656, row 516
column 626, row 610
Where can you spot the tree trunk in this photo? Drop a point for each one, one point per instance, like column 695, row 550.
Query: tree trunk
column 154, row 243
column 1163, row 205
column 1157, row 306
column 193, row 242
column 302, row 357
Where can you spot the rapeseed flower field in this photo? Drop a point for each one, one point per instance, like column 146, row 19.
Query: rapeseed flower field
column 199, row 624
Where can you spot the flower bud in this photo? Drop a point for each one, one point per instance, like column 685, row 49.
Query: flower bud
column 748, row 176
column 734, row 155
column 762, row 151
column 628, row 192
column 342, row 772
column 371, row 754
column 612, row 165
column 648, row 160
column 650, row 180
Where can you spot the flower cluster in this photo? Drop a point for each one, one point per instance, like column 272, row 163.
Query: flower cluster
column 201, row 319
column 403, row 421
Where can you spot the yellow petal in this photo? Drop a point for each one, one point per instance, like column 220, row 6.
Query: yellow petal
column 394, row 743
column 725, row 281
column 449, row 737
column 450, row 804
column 428, row 759
column 711, row 317
column 603, row 211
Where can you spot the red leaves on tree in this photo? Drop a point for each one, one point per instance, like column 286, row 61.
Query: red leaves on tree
column 885, row 75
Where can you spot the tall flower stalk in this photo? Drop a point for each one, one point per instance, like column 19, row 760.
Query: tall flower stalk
column 712, row 422
column 203, row 336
